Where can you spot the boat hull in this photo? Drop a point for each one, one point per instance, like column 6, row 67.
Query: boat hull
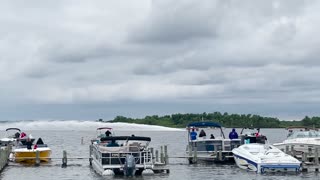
column 250, row 165
column 263, row 158
column 29, row 156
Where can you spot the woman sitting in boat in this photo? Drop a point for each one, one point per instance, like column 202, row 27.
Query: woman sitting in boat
column 113, row 143
column 23, row 135
column 202, row 134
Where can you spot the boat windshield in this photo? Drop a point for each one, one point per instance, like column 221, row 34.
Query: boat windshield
column 305, row 134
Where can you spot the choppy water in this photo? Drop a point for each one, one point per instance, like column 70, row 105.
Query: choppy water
column 67, row 135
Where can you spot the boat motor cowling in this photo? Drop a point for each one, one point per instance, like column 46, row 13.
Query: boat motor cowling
column 129, row 168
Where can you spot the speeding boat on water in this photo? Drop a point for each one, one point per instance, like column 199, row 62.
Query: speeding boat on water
column 25, row 151
column 121, row 155
column 209, row 148
column 263, row 158
column 302, row 138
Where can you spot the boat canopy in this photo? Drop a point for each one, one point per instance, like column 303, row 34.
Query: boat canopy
column 204, row 124
column 304, row 134
column 131, row 138
column 17, row 129
column 101, row 128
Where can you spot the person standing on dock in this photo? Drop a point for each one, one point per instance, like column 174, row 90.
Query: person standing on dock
column 193, row 135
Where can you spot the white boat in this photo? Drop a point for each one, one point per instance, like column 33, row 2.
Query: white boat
column 263, row 157
column 252, row 135
column 10, row 137
column 121, row 155
column 301, row 139
column 217, row 149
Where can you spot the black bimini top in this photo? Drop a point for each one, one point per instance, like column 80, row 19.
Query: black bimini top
column 17, row 129
column 131, row 138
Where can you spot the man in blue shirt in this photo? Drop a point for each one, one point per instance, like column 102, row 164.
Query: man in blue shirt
column 193, row 135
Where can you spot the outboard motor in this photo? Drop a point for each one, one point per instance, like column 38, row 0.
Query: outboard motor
column 129, row 168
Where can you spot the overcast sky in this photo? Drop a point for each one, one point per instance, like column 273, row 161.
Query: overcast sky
column 97, row 59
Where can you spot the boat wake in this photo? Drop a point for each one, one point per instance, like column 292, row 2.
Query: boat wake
column 80, row 125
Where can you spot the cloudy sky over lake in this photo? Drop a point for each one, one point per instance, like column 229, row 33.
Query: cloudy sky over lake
column 97, row 59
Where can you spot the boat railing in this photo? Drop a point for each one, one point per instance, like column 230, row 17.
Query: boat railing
column 215, row 145
column 118, row 158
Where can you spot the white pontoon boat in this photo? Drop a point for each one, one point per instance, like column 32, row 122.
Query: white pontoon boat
column 121, row 155
column 217, row 149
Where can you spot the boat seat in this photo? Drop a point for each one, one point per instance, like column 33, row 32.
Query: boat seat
column 42, row 145
column 112, row 149
column 135, row 146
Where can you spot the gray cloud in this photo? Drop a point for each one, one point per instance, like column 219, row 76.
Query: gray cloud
column 233, row 53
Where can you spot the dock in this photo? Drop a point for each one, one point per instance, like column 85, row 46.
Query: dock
column 308, row 155
column 4, row 155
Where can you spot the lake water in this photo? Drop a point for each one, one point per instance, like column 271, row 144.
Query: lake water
column 67, row 135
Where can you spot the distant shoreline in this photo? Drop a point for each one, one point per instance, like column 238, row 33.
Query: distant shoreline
column 225, row 119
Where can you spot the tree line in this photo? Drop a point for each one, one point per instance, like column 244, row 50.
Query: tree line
column 225, row 119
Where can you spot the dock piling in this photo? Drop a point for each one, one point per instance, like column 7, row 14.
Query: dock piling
column 316, row 156
column 64, row 159
column 157, row 156
column 161, row 155
column 37, row 158
column 195, row 153
column 166, row 157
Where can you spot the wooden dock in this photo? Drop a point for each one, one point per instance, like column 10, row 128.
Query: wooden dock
column 4, row 155
column 308, row 155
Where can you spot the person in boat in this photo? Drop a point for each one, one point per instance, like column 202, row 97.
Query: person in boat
column 258, row 133
column 108, row 133
column 290, row 133
column 29, row 143
column 212, row 136
column 193, row 135
column 233, row 134
column 17, row 135
column 202, row 133
column 23, row 135
column 113, row 143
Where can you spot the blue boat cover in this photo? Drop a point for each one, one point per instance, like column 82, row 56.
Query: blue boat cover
column 204, row 124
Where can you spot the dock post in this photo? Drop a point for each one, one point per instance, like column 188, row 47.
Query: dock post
column 152, row 155
column 37, row 158
column 287, row 150
column 293, row 151
column 161, row 155
column 64, row 159
column 195, row 155
column 157, row 156
column 304, row 157
column 166, row 157
column 90, row 154
column 220, row 156
column 316, row 156
column 190, row 153
column 310, row 150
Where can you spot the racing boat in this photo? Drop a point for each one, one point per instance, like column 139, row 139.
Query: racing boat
column 263, row 158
